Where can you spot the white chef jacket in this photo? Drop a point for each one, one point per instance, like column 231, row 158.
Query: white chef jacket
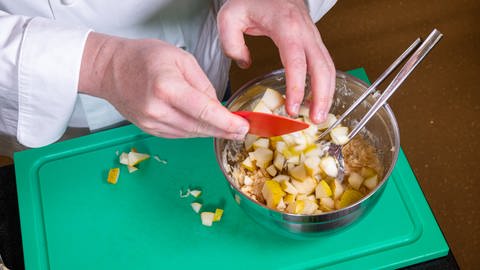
column 41, row 46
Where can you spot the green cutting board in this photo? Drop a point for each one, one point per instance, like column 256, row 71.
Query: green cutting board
column 71, row 218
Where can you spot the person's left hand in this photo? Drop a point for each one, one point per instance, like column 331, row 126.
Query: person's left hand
column 288, row 24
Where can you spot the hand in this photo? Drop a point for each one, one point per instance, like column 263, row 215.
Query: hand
column 157, row 86
column 288, row 24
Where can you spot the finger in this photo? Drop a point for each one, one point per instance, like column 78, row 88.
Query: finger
column 293, row 59
column 321, row 71
column 203, row 108
column 195, row 76
column 230, row 32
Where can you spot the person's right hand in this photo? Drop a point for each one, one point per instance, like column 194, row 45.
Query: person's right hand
column 157, row 86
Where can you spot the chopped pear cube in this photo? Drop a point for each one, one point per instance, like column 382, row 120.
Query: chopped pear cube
column 371, row 182
column 306, row 186
column 289, row 198
column 367, row 172
column 134, row 158
column 131, row 169
column 328, row 203
column 218, row 214
column 329, row 166
column 280, row 146
column 281, row 177
column 288, row 187
column 261, row 143
column 328, row 122
column 196, row 206
column 299, row 172
column 350, row 196
column 263, row 157
column 271, row 170
column 339, row 135
column 272, row 99
column 294, row 160
column 296, row 207
column 279, row 161
column 261, row 107
column 248, row 164
column 337, row 189
column 323, row 190
column 281, row 205
column 123, row 158
column 207, row 218
column 195, row 193
column 312, row 165
column 272, row 192
column 309, row 207
column 355, row 180
column 249, row 140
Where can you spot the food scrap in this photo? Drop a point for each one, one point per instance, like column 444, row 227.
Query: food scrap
column 157, row 158
column 132, row 158
column 207, row 217
column 113, row 175
column 196, row 206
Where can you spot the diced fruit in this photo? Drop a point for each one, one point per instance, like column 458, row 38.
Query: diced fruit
column 296, row 207
column 196, row 206
column 261, row 107
column 371, row 182
column 288, row 187
column 207, row 218
column 261, row 143
column 337, row 189
column 131, row 168
column 263, row 156
column 289, row 198
column 310, row 132
column 271, row 170
column 195, row 193
column 113, row 175
column 299, row 172
column 218, row 214
column 329, row 166
column 303, row 111
column 323, row 190
column 134, row 158
column 312, row 165
column 272, row 192
column 367, row 172
column 281, row 205
column 279, row 161
column 249, row 140
column 294, row 160
column 306, row 186
column 355, row 180
column 272, row 99
column 123, row 158
column 339, row 135
column 328, row 122
column 281, row 177
column 328, row 203
column 248, row 164
column 350, row 196
column 280, row 146
column 309, row 207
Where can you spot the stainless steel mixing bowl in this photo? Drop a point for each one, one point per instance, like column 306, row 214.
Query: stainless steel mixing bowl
column 381, row 131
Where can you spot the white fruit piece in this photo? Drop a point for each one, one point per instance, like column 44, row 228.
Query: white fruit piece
column 134, row 158
column 280, row 146
column 312, row 165
column 289, row 198
column 261, row 143
column 281, row 177
column 303, row 111
column 328, row 122
column 306, row 186
column 296, row 207
column 337, row 189
column 123, row 158
column 281, row 205
column 272, row 192
column 272, row 99
column 195, row 193
column 207, row 218
column 339, row 135
column 323, row 190
column 288, row 187
column 131, row 169
column 196, row 206
column 261, row 107
column 355, row 180
column 263, row 157
column 279, row 161
column 299, row 172
column 249, row 140
column 371, row 182
column 329, row 166
column 327, row 202
column 310, row 133
column 309, row 207
column 271, row 170
column 295, row 160
column 248, row 164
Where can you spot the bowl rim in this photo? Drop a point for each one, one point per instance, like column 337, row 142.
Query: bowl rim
column 350, row 208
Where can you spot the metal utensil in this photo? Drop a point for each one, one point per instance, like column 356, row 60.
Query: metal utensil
column 412, row 62
column 269, row 125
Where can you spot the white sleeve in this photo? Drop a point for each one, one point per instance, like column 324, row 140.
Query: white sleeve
column 39, row 70
column 318, row 8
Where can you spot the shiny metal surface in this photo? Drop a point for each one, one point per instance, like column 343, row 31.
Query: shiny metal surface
column 381, row 131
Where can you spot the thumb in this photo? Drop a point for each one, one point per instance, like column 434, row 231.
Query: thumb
column 231, row 36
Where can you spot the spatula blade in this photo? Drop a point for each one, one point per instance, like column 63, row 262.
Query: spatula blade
column 269, row 125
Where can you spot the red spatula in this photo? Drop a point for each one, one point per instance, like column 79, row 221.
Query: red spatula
column 269, row 125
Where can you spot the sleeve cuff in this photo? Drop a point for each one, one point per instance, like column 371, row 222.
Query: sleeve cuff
column 319, row 8
column 48, row 74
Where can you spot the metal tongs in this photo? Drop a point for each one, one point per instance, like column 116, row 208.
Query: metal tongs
column 335, row 150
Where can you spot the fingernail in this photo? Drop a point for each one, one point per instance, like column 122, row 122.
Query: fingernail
column 319, row 117
column 295, row 108
column 242, row 131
